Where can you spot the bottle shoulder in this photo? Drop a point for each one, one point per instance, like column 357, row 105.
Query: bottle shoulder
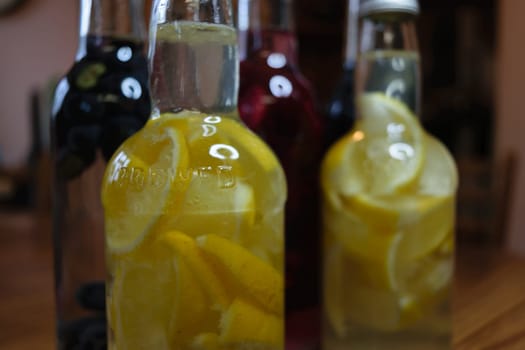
column 363, row 163
column 211, row 149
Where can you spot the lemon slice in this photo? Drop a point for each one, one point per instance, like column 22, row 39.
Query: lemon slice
column 211, row 207
column 140, row 304
column 385, row 230
column 376, row 309
column 440, row 174
column 426, row 286
column 227, row 129
column 140, row 182
column 333, row 292
column 385, row 152
column 186, row 248
column 206, row 341
column 382, row 252
column 191, row 312
column 239, row 134
column 244, row 323
column 336, row 171
column 350, row 299
column 256, row 277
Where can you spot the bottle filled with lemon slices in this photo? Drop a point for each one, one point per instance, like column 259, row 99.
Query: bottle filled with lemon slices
column 388, row 203
column 194, row 201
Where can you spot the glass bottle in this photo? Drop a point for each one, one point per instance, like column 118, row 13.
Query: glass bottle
column 341, row 109
column 101, row 101
column 388, row 202
column 194, row 202
column 277, row 103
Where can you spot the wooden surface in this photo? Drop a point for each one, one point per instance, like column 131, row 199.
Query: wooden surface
column 489, row 296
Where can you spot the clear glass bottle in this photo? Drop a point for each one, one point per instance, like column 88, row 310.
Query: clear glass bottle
column 194, row 202
column 341, row 109
column 276, row 102
column 388, row 202
column 101, row 101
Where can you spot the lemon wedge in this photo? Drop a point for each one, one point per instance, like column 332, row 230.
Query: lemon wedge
column 206, row 341
column 333, row 292
column 383, row 155
column 140, row 304
column 244, row 323
column 185, row 247
column 256, row 277
column 191, row 312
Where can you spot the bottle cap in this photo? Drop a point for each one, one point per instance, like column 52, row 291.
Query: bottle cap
column 368, row 7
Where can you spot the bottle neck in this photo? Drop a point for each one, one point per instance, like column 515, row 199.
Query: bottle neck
column 388, row 60
column 265, row 27
column 110, row 18
column 351, row 35
column 193, row 57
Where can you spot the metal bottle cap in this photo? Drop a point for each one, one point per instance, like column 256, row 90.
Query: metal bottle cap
column 368, row 7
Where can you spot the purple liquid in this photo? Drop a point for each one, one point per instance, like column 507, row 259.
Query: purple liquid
column 103, row 100
column 276, row 102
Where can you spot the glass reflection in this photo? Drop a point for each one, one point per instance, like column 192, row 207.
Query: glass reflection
column 276, row 60
column 124, row 54
column 396, row 88
column 280, row 86
column 222, row 151
column 130, row 88
column 401, row 151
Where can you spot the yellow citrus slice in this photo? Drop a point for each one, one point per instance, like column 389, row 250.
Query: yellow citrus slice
column 156, row 287
column 191, row 311
column 333, row 289
column 140, row 182
column 239, row 134
column 377, row 309
column 140, row 304
column 427, row 284
column 185, row 247
column 383, row 253
column 221, row 129
column 355, row 237
column 349, row 297
column 211, row 207
column 244, row 323
column 256, row 277
column 383, row 155
column 394, row 230
column 206, row 341
column 439, row 176
column 336, row 172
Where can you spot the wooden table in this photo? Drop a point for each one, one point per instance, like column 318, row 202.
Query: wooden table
column 489, row 295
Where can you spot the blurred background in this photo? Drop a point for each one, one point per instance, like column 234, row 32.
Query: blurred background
column 472, row 68
column 472, row 58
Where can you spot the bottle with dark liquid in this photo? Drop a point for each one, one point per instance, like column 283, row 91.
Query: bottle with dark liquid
column 276, row 101
column 340, row 111
column 101, row 101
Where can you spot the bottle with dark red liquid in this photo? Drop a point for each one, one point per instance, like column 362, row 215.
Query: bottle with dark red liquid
column 100, row 102
column 341, row 109
column 276, row 101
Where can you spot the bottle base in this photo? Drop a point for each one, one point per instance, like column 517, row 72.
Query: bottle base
column 398, row 341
